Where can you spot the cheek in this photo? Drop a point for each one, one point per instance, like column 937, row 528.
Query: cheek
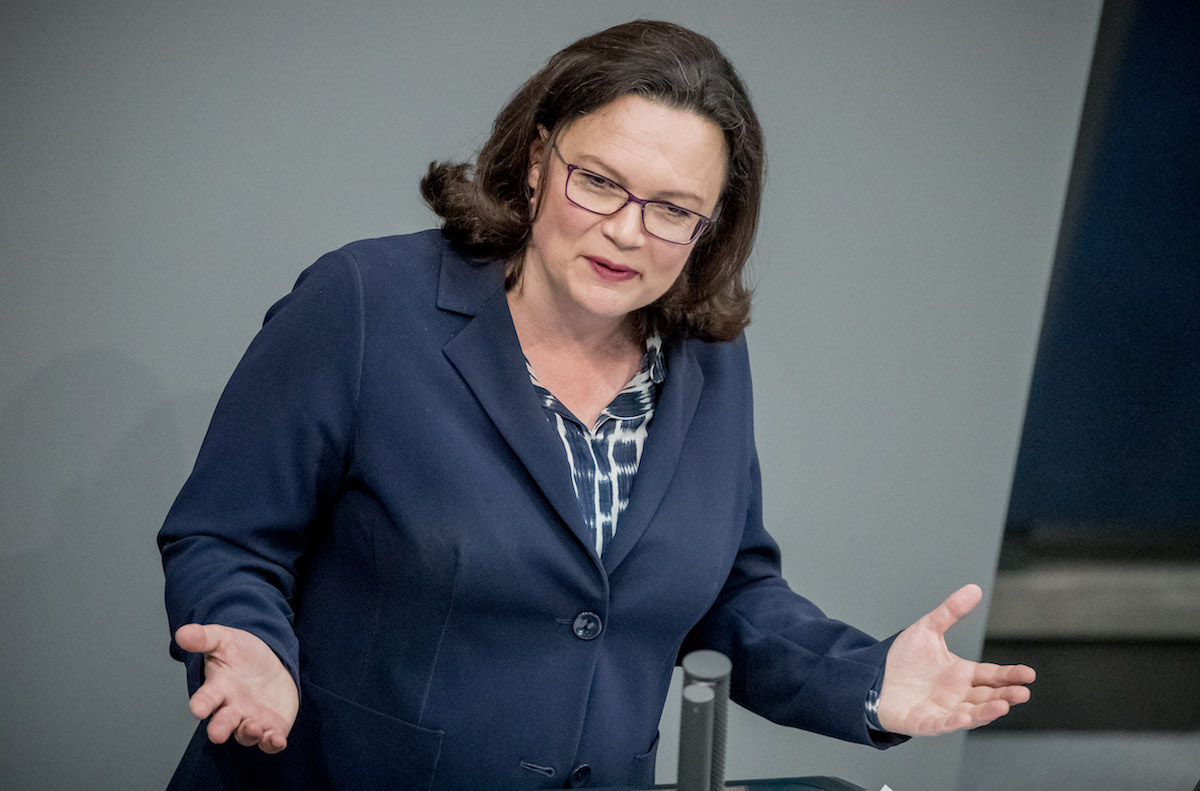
column 559, row 220
column 671, row 266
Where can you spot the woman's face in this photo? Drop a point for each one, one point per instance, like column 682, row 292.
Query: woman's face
column 588, row 267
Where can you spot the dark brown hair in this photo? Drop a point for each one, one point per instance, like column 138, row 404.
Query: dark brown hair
column 486, row 209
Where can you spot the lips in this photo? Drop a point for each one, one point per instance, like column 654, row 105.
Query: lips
column 609, row 271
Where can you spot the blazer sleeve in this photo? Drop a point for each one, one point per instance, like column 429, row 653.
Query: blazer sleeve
column 792, row 663
column 272, row 461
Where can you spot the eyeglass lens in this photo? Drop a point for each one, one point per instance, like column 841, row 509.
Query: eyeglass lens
column 603, row 196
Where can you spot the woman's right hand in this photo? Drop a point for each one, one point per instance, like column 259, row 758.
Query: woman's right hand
column 247, row 691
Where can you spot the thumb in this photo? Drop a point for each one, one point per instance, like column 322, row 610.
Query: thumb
column 956, row 605
column 197, row 638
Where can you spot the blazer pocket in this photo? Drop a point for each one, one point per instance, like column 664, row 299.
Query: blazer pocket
column 366, row 749
column 643, row 765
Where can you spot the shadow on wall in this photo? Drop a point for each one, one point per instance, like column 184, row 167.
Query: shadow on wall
column 92, row 455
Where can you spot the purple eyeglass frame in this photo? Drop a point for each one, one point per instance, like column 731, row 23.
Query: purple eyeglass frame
column 703, row 223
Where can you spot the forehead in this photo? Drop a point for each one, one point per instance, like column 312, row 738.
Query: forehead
column 651, row 147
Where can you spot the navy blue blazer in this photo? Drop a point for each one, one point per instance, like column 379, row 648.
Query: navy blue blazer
column 381, row 499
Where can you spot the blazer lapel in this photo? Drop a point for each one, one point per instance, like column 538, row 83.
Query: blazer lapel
column 669, row 427
column 487, row 354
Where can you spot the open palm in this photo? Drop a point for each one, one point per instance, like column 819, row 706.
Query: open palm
column 927, row 690
column 247, row 691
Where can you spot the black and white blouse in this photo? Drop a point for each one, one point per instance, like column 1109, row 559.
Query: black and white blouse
column 604, row 458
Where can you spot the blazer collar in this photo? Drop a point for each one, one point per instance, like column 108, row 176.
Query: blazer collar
column 487, row 354
column 464, row 284
column 677, row 402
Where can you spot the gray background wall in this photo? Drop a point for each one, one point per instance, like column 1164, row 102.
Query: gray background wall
column 168, row 168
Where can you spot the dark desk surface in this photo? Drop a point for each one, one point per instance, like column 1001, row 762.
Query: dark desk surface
column 777, row 784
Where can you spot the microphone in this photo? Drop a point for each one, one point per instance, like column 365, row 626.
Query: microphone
column 702, row 721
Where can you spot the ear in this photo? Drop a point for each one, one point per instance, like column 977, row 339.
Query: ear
column 537, row 153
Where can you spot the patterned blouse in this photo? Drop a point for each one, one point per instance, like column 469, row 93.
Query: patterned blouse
column 604, row 460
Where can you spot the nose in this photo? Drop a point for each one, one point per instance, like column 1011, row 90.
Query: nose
column 624, row 227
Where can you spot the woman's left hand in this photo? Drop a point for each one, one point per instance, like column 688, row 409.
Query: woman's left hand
column 927, row 690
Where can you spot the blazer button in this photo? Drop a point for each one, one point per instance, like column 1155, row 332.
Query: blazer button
column 587, row 626
column 579, row 776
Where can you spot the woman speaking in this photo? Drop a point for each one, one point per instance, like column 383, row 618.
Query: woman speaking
column 472, row 492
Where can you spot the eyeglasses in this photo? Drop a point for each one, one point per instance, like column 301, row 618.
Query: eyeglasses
column 600, row 195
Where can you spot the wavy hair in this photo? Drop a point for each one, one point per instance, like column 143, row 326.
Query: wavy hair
column 485, row 206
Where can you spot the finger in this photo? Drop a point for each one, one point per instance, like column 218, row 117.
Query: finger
column 222, row 725
column 249, row 733
column 269, row 733
column 991, row 675
column 988, row 712
column 1013, row 694
column 272, row 742
column 206, row 700
column 958, row 604
column 197, row 638
column 202, row 705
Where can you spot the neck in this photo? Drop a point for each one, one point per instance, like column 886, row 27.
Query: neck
column 539, row 323
column 584, row 364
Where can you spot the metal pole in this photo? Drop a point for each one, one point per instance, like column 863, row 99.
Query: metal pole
column 710, row 669
column 696, row 738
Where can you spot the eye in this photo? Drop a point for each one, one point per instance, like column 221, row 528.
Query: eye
column 673, row 214
column 594, row 181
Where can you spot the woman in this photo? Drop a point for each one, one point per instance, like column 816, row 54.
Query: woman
column 471, row 492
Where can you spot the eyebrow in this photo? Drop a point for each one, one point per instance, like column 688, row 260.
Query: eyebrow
column 667, row 196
